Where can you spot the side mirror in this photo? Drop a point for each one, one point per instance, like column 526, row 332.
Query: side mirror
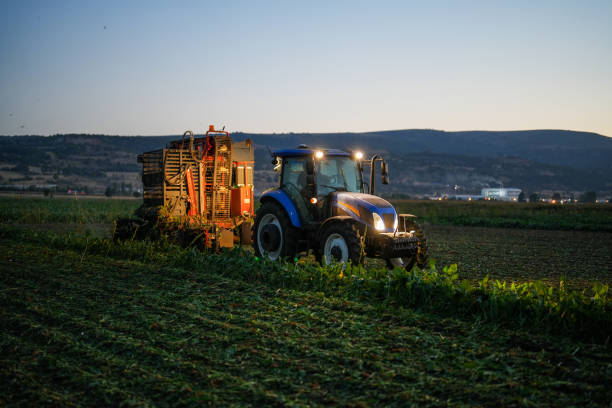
column 384, row 171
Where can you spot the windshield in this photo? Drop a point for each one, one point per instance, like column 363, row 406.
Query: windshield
column 337, row 173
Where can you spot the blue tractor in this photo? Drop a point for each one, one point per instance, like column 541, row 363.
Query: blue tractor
column 321, row 206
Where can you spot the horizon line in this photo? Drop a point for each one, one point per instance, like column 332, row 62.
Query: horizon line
column 317, row 133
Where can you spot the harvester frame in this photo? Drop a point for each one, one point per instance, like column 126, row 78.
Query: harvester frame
column 197, row 190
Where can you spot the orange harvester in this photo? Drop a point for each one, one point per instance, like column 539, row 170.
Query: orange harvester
column 206, row 181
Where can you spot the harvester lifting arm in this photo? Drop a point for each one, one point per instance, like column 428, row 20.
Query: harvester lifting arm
column 191, row 197
column 191, row 151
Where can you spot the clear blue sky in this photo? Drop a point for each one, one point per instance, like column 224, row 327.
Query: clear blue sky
column 147, row 67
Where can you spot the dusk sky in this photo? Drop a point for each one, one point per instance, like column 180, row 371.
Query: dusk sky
column 153, row 68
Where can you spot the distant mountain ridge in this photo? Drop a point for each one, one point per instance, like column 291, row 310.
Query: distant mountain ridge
column 422, row 160
column 556, row 147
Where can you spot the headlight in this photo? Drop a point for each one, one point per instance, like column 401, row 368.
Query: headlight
column 319, row 154
column 378, row 222
column 395, row 222
column 359, row 155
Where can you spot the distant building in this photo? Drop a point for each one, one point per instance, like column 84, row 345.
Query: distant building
column 501, row 194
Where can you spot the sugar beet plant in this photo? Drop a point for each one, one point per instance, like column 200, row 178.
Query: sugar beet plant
column 584, row 314
column 64, row 210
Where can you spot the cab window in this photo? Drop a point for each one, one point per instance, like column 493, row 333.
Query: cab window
column 293, row 182
column 294, row 173
column 337, row 173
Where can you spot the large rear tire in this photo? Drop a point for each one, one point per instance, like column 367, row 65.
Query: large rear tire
column 273, row 235
column 340, row 244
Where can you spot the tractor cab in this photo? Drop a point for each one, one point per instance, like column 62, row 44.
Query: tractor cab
column 321, row 205
column 312, row 177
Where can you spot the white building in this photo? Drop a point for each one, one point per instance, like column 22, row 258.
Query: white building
column 501, row 194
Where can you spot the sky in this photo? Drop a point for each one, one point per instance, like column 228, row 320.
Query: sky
column 161, row 67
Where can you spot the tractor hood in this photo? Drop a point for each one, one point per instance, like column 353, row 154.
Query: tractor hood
column 362, row 208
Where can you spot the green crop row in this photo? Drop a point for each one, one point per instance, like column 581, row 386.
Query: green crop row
column 65, row 210
column 586, row 217
column 585, row 314
column 81, row 326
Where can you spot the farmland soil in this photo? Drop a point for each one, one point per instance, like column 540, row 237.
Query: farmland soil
column 520, row 255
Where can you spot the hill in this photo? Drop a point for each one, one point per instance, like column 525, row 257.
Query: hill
column 421, row 161
column 555, row 147
column 424, row 161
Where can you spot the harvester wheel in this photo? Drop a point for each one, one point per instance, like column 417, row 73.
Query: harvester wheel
column 341, row 243
column 129, row 229
column 126, row 229
column 419, row 259
column 273, row 235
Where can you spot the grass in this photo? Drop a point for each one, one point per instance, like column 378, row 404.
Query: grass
column 64, row 210
column 577, row 217
column 580, row 314
column 88, row 322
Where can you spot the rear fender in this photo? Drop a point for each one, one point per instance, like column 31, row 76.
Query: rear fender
column 284, row 201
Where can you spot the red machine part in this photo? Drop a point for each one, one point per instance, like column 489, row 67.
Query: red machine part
column 242, row 201
column 206, row 151
column 191, row 196
column 242, row 196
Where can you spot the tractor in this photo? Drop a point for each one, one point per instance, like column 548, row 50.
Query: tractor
column 321, row 206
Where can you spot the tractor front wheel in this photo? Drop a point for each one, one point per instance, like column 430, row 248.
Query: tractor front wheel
column 341, row 243
column 273, row 235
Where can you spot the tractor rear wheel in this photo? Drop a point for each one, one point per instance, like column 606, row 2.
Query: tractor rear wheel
column 341, row 243
column 273, row 235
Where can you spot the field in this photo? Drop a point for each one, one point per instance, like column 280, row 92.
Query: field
column 573, row 217
column 77, row 210
column 86, row 321
column 579, row 258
